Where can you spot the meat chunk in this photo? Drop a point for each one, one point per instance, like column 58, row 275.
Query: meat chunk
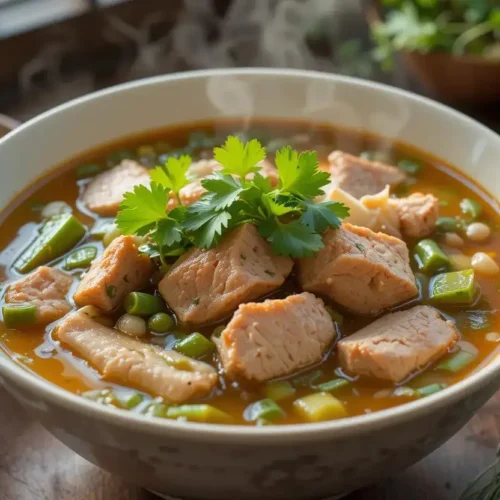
column 398, row 344
column 119, row 270
column 360, row 177
column 417, row 214
column 363, row 271
column 127, row 361
column 105, row 192
column 206, row 285
column 275, row 337
column 46, row 288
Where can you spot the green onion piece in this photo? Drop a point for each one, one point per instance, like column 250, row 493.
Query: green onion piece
column 430, row 389
column 195, row 345
column 430, row 257
column 143, row 304
column 457, row 362
column 319, row 407
column 332, row 385
column 458, row 287
column 131, row 400
column 19, row 314
column 449, row 225
column 199, row 413
column 281, row 389
column 471, row 207
column 179, row 363
column 82, row 257
column 156, row 410
column 58, row 235
column 102, row 396
column 86, row 171
column 216, row 334
column 100, row 229
column 264, row 409
column 410, row 167
column 336, row 317
column 306, row 379
column 161, row 322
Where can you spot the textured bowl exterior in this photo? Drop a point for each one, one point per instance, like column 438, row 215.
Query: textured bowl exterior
column 201, row 462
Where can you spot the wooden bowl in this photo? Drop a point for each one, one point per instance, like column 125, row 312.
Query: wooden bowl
column 465, row 80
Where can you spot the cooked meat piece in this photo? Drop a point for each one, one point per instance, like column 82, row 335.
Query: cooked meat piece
column 105, row 192
column 127, row 361
column 275, row 337
column 206, row 285
column 417, row 214
column 360, row 177
column 398, row 344
column 119, row 270
column 46, row 288
column 387, row 217
column 363, row 271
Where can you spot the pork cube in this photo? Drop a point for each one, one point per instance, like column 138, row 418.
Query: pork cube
column 363, row 271
column 119, row 270
column 128, row 361
column 417, row 214
column 398, row 344
column 360, row 177
column 105, row 192
column 46, row 288
column 275, row 337
column 206, row 285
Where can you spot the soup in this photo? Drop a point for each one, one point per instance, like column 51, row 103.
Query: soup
column 253, row 326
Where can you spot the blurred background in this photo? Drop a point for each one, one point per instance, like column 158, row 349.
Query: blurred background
column 54, row 50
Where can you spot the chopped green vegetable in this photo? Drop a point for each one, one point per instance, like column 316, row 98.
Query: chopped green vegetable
column 281, row 389
column 156, row 410
column 20, row 314
column 410, row 167
column 218, row 331
column 306, row 379
column 131, row 400
column 143, row 304
column 457, row 362
column 100, row 229
column 449, row 225
column 181, row 364
column 430, row 257
column 195, row 345
column 458, row 287
column 471, row 207
column 332, row 385
column 102, row 396
column 80, row 258
column 57, row 236
column 319, row 407
column 86, row 171
column 336, row 317
column 161, row 322
column 430, row 389
column 199, row 413
column 111, row 291
column 265, row 409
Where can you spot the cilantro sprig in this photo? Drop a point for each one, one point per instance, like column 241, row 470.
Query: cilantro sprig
column 287, row 215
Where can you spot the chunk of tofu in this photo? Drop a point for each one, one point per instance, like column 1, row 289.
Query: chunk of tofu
column 275, row 337
column 46, row 288
column 418, row 214
column 130, row 362
column 398, row 344
column 363, row 271
column 206, row 285
column 119, row 270
column 105, row 192
column 360, row 177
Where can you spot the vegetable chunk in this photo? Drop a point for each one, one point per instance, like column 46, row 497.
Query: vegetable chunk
column 206, row 285
column 398, row 344
column 275, row 338
column 118, row 271
column 363, row 271
column 46, row 288
column 130, row 362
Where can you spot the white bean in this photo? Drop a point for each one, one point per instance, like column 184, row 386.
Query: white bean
column 477, row 231
column 111, row 234
column 55, row 208
column 453, row 240
column 493, row 337
column 135, row 326
column 484, row 264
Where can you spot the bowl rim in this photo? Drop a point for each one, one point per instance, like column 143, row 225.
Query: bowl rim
column 281, row 434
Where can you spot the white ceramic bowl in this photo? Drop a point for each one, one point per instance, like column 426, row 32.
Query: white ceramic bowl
column 198, row 461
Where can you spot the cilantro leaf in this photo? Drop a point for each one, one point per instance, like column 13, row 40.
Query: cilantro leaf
column 209, row 234
column 173, row 175
column 299, row 174
column 226, row 189
column 319, row 216
column 141, row 208
column 293, row 239
column 279, row 204
column 167, row 233
column 262, row 183
column 238, row 158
